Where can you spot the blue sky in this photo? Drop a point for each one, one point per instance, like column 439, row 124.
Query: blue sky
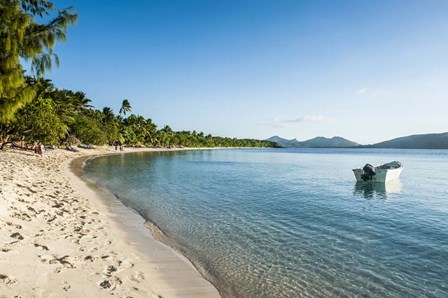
column 364, row 70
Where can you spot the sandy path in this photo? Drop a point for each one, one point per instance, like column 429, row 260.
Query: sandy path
column 59, row 239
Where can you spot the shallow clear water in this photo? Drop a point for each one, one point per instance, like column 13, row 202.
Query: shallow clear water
column 293, row 222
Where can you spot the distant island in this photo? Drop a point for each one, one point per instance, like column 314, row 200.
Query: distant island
column 421, row 141
column 317, row 142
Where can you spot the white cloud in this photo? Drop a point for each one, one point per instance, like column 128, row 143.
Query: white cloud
column 361, row 91
column 308, row 118
column 378, row 92
column 283, row 122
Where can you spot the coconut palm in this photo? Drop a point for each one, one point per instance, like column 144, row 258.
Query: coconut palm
column 80, row 101
column 108, row 114
column 125, row 107
column 44, row 88
column 167, row 129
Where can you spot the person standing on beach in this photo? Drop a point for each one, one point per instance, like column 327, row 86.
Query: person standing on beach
column 41, row 149
column 38, row 149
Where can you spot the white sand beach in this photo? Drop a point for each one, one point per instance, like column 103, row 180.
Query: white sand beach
column 61, row 238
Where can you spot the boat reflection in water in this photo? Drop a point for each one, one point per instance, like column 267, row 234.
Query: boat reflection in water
column 370, row 190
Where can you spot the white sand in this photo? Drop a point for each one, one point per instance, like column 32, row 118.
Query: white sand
column 60, row 238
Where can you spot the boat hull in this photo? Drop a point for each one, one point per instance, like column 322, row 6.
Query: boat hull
column 381, row 176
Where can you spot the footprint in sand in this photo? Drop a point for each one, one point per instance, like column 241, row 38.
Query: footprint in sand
column 57, row 205
column 65, row 286
column 49, row 219
column 111, row 283
column 62, row 260
column 110, row 269
column 34, row 210
column 105, row 284
column 138, row 277
column 43, row 247
column 22, row 216
column 16, row 236
column 6, row 280
column 14, row 225
column 125, row 264
column 90, row 258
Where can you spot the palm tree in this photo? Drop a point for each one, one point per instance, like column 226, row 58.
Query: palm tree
column 77, row 100
column 108, row 114
column 44, row 88
column 125, row 107
column 166, row 134
column 167, row 129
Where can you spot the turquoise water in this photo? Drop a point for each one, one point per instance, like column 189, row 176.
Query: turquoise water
column 293, row 222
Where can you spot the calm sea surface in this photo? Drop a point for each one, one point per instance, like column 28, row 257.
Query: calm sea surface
column 293, row 222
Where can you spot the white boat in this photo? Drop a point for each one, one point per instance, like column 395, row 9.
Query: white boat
column 380, row 173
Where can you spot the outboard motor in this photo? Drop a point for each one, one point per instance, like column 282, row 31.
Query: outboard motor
column 369, row 172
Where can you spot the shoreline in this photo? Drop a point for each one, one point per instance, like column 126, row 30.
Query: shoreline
column 94, row 244
column 131, row 220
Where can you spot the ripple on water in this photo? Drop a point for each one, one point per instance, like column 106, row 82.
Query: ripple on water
column 293, row 223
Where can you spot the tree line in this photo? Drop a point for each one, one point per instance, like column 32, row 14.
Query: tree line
column 33, row 110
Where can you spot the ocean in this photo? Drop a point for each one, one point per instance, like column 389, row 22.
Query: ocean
column 294, row 222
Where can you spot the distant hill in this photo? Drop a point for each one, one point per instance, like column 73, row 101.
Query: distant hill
column 284, row 142
column 329, row 142
column 313, row 143
column 423, row 141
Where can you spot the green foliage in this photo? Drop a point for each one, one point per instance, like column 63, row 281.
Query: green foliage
column 22, row 37
column 87, row 130
column 138, row 130
column 57, row 113
column 39, row 122
column 125, row 107
column 110, row 125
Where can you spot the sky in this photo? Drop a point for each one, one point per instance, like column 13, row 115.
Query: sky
column 364, row 70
